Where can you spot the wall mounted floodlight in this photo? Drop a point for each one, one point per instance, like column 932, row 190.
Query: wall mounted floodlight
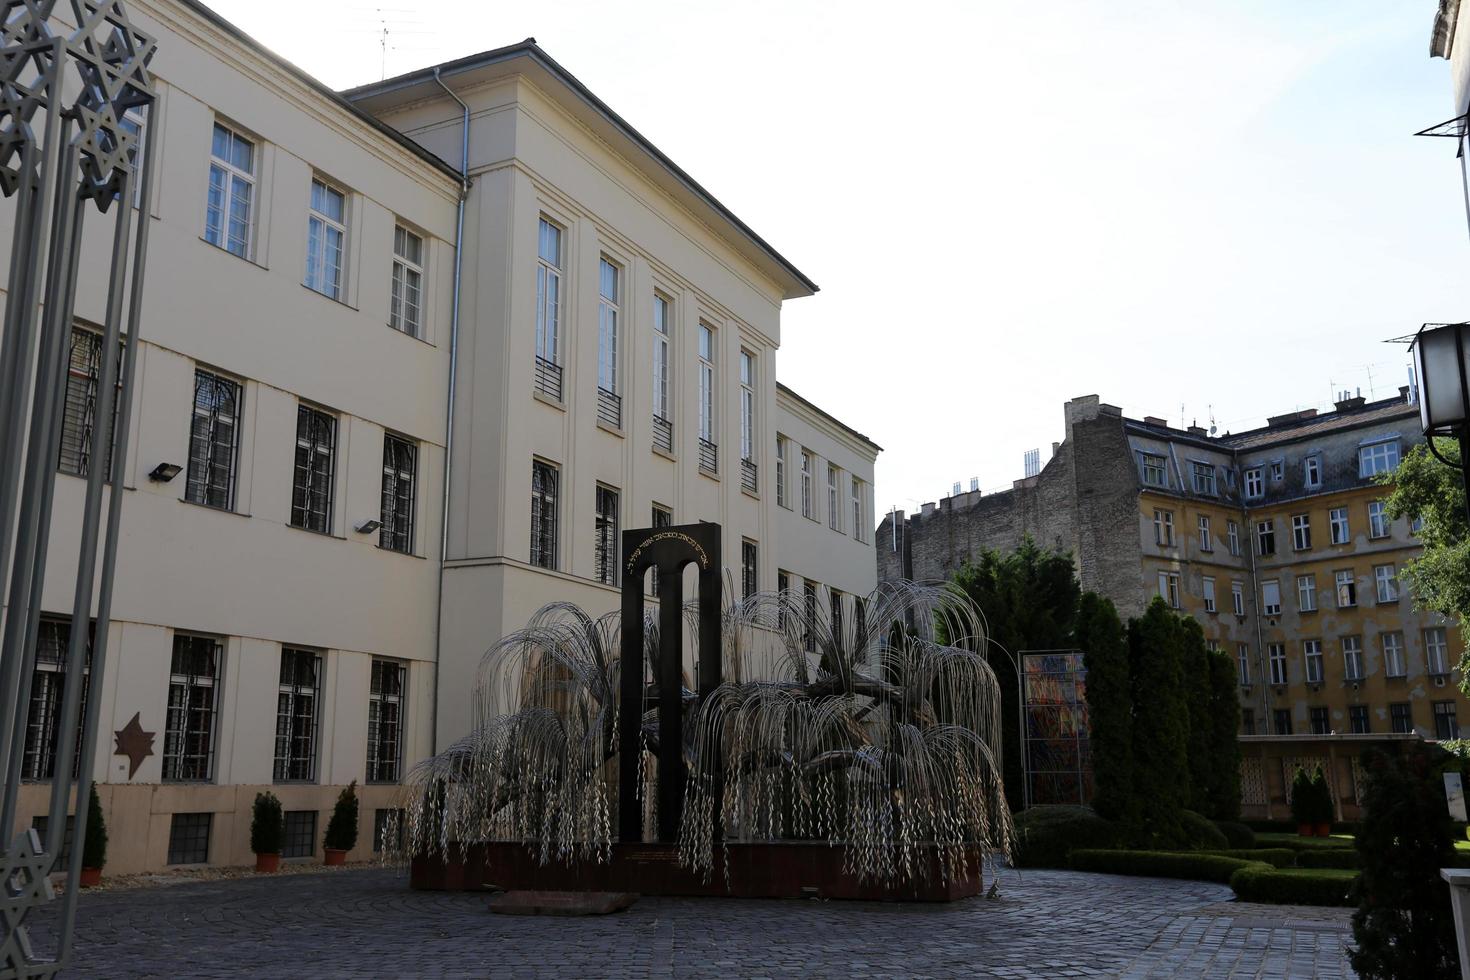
column 1442, row 366
column 367, row 527
column 164, row 472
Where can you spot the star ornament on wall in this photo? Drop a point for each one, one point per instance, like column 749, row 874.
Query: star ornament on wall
column 134, row 743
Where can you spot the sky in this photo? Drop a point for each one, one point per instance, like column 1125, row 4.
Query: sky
column 1205, row 212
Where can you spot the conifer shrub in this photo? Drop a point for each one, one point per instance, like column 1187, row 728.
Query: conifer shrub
column 267, row 824
column 1046, row 835
column 94, row 845
column 341, row 832
column 1104, row 644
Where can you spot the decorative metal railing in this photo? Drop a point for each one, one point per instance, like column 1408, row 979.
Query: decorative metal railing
column 709, row 456
column 748, row 475
column 548, row 378
column 663, row 434
column 609, row 408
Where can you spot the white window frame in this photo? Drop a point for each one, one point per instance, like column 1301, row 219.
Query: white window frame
column 1206, row 539
column 1379, row 457
column 1271, row 597
column 322, row 224
column 783, row 496
column 747, row 406
column 1207, row 586
column 663, row 313
column 1169, row 588
column 1385, row 583
column 549, row 271
column 1203, row 477
column 1379, row 525
column 1276, row 657
column 1265, row 529
column 1394, row 664
column 808, row 500
column 1232, row 535
column 1255, row 483
column 1352, row 658
column 1278, row 470
column 1243, row 663
column 834, row 497
column 1312, row 658
column 1237, row 598
column 232, row 174
column 1435, row 651
column 706, row 334
column 1312, row 472
column 1345, row 585
column 1151, row 464
column 859, row 510
column 1301, row 532
column 1306, row 592
column 408, row 280
column 609, row 311
column 1164, row 528
column 1341, row 530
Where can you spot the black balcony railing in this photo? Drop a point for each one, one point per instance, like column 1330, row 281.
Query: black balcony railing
column 663, row 434
column 548, row 378
column 709, row 456
column 609, row 408
column 748, row 475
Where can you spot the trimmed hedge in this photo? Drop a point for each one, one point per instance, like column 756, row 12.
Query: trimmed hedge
column 1329, row 857
column 1277, row 857
column 1299, row 843
column 1238, row 834
column 1200, row 833
column 1294, row 886
column 1045, row 835
column 1163, row 864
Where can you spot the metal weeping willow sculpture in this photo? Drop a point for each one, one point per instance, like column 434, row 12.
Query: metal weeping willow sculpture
column 869, row 732
column 58, row 160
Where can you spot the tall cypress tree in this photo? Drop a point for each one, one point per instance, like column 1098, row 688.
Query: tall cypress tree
column 1109, row 707
column 1160, row 725
column 1198, row 703
column 1224, row 795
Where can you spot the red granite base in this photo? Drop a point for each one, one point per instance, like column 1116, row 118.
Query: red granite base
column 760, row 870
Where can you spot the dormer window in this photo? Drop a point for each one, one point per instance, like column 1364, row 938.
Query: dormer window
column 1154, row 474
column 1312, row 472
column 1204, row 478
column 1278, row 471
column 1255, row 483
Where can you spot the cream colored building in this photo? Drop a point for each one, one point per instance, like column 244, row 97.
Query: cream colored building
column 616, row 366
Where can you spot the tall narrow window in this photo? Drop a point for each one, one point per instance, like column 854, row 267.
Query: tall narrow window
column 229, row 212
column 1434, row 652
column 1312, row 657
column 1301, row 532
column 708, row 446
column 1206, row 539
column 1385, row 581
column 1276, row 656
column 296, row 715
column 400, row 470
column 1169, row 588
column 1255, row 484
column 1243, row 663
column 747, row 421
column 1352, row 658
column 1312, row 472
column 1281, row 721
column 1232, row 534
column 1393, row 654
column 1266, row 537
column 48, row 686
column 859, row 521
column 605, row 548
column 834, row 502
column 543, row 514
column 1247, row 721
column 1338, row 522
column 406, row 304
column 1164, row 528
column 1446, row 725
column 1358, row 722
column 548, row 309
column 1377, row 519
column 609, row 405
column 1321, row 723
column 783, row 586
column 783, row 495
column 1401, row 718
column 835, row 598
column 809, row 608
column 1237, row 598
column 1347, row 588
column 79, row 409
column 386, row 691
column 808, row 504
column 1306, row 593
column 1207, row 586
column 315, row 470
column 663, row 428
column 326, row 238
column 214, row 441
column 193, row 704
column 749, row 572
column 1271, row 598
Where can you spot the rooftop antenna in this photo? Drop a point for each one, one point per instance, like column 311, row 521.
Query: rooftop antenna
column 1370, row 384
column 1212, row 419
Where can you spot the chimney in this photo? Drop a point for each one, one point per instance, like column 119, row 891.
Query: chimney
column 1155, row 421
column 1289, row 417
column 1197, row 430
column 1344, row 403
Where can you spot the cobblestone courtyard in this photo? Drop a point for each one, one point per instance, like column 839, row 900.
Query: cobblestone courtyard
column 366, row 923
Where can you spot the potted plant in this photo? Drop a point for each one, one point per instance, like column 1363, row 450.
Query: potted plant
column 341, row 835
column 267, row 827
column 94, row 845
column 1303, row 803
column 1322, row 796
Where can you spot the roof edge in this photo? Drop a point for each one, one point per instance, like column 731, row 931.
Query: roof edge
column 782, row 389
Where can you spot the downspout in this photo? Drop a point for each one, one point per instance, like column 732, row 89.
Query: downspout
column 464, row 192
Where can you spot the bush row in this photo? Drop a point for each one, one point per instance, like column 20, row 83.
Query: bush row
column 1163, row 864
column 1293, row 886
column 1277, row 857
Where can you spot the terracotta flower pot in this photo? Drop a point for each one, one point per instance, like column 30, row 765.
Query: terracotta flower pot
column 1323, row 829
column 1304, row 830
column 91, row 877
column 267, row 863
column 334, row 856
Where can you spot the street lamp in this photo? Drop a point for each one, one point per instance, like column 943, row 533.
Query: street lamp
column 1442, row 364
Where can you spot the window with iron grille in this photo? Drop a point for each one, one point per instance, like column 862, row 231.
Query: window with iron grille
column 214, row 441
column 662, row 517
column 836, row 602
column 296, row 715
column 548, row 293
column 385, row 721
column 605, row 548
column 405, row 304
column 1446, row 725
column 41, row 822
column 79, row 408
column 1401, row 718
column 387, row 829
column 326, row 239
column 315, row 471
column 229, row 213
column 1321, row 722
column 749, row 585
column 809, row 597
column 1281, row 721
column 543, row 514
column 400, row 465
column 299, row 839
column 188, row 838
column 48, row 688
column 193, row 704
column 1359, row 722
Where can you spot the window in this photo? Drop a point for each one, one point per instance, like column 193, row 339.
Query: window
column 386, row 692
column 605, row 548
column 1271, row 598
column 40, row 822
column 1204, row 478
column 1376, row 459
column 1243, row 663
column 1169, row 588
column 836, row 604
column 859, row 523
column 783, row 498
column 1312, row 657
column 1247, row 721
column 1301, row 532
column 1232, row 534
column 1386, row 583
column 299, row 838
column 326, row 238
column 1278, row 471
column 747, row 407
column 663, row 429
column 1446, row 726
column 1206, row 540
column 1393, row 654
column 1401, row 718
column 1338, row 522
column 1306, row 593
column 1321, row 722
column 1237, row 598
column 608, row 281
column 809, row 608
column 79, row 407
column 1255, row 486
column 1281, row 721
column 1276, row 655
column 834, row 507
column 229, row 212
column 707, row 398
column 783, row 586
column 296, row 715
column 1154, row 473
column 214, row 441
column 807, row 508
column 405, row 303
column 1164, row 528
column 315, row 472
column 1352, row 658
column 1207, row 585
column 749, row 575
column 1358, row 722
column 548, row 308
column 1347, row 589
column 388, row 829
column 662, row 517
column 1312, row 472
column 1434, row 652
column 48, row 687
column 188, row 838
column 1266, row 537
column 1378, row 524
column 543, row 514
column 400, row 463
column 193, row 703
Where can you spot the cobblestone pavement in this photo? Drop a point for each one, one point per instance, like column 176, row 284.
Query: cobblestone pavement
column 366, row 923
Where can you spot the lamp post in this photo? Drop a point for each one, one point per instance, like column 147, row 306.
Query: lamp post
column 1442, row 364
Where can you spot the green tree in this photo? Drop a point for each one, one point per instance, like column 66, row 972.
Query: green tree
column 1198, row 704
column 1104, row 645
column 94, row 847
column 1161, row 784
column 1224, row 725
column 1029, row 598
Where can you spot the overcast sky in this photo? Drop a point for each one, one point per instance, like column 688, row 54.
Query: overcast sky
column 1185, row 211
